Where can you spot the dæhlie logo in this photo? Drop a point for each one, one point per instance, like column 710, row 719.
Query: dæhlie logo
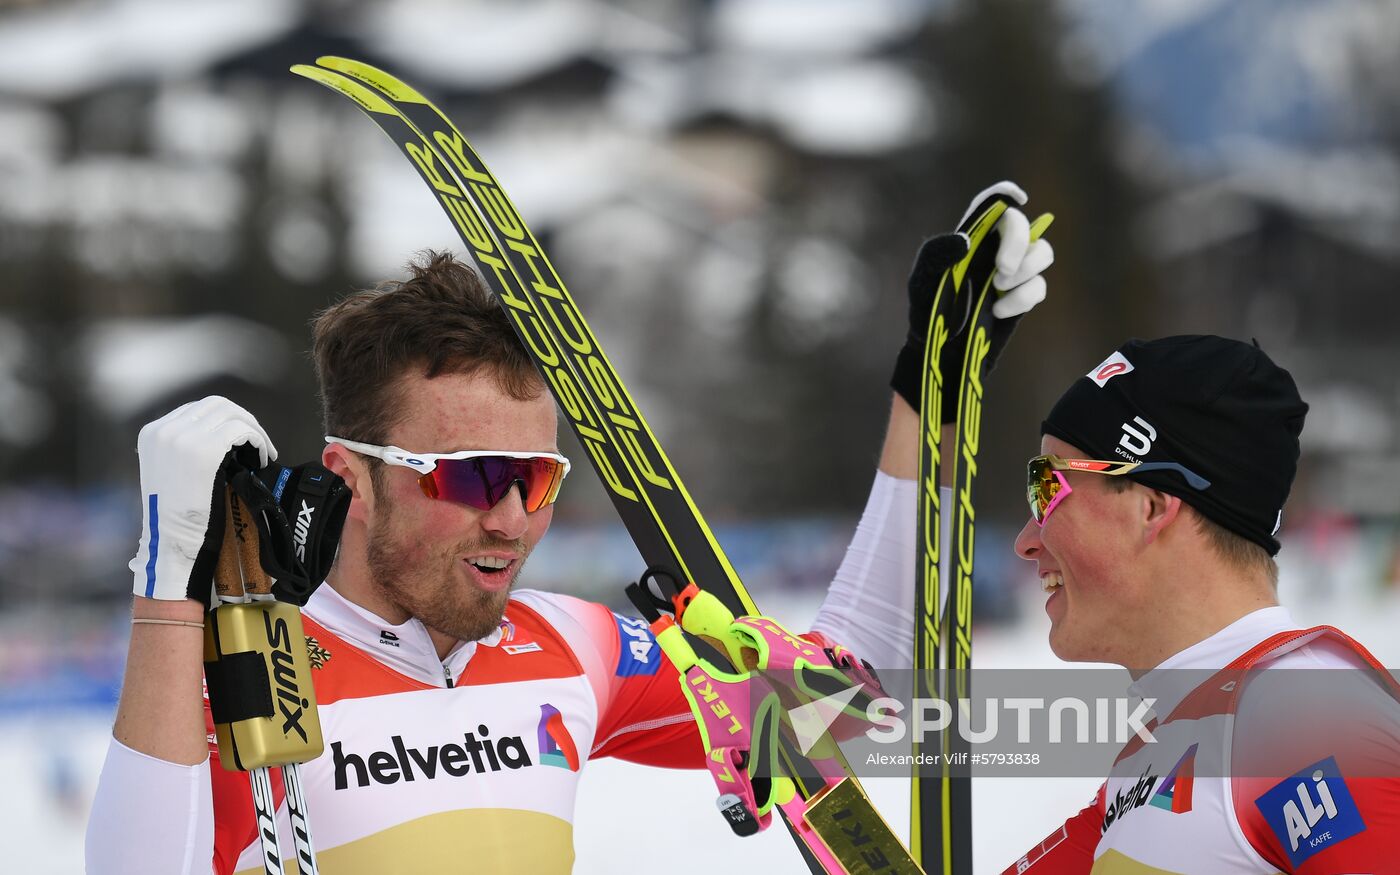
column 1137, row 438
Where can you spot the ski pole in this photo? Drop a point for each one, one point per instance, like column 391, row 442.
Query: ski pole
column 260, row 690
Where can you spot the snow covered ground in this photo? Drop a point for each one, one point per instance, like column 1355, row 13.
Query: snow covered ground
column 626, row 814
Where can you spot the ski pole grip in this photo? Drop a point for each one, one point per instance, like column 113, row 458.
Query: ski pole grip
column 245, row 541
column 228, row 573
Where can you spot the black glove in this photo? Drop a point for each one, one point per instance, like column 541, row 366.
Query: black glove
column 935, row 256
column 1006, row 254
column 299, row 513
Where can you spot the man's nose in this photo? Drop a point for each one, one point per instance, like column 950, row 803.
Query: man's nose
column 1028, row 545
column 508, row 519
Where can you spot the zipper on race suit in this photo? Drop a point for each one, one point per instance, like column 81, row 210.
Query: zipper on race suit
column 447, row 676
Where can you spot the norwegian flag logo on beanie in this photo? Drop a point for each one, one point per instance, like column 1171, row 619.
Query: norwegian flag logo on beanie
column 1109, row 368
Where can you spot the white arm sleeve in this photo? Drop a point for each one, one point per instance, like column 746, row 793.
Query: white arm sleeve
column 150, row 816
column 869, row 606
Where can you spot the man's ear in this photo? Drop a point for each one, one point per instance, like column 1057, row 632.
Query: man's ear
column 1159, row 510
column 353, row 470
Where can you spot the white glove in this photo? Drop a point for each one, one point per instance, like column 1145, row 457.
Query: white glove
column 182, row 455
column 1020, row 261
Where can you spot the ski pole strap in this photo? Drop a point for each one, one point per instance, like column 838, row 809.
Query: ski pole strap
column 314, row 502
column 239, row 688
column 803, row 668
column 299, row 513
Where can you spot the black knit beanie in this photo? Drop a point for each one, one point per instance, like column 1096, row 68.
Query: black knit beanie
column 1219, row 407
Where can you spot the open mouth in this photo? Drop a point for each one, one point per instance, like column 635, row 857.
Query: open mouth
column 491, row 572
column 489, row 564
column 1051, row 581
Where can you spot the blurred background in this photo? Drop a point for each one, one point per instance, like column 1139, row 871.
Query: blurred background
column 733, row 191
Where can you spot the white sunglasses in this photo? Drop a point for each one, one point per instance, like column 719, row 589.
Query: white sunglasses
column 476, row 478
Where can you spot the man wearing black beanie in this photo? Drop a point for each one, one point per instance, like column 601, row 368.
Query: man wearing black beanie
column 1155, row 507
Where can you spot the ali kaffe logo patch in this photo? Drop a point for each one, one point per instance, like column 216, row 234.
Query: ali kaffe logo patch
column 1311, row 811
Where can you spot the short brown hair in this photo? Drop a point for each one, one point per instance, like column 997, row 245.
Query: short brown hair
column 1234, row 548
column 442, row 319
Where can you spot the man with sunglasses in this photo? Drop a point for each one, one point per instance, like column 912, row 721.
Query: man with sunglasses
column 456, row 711
column 1154, row 510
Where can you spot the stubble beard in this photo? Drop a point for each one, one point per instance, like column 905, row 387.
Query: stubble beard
column 429, row 585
